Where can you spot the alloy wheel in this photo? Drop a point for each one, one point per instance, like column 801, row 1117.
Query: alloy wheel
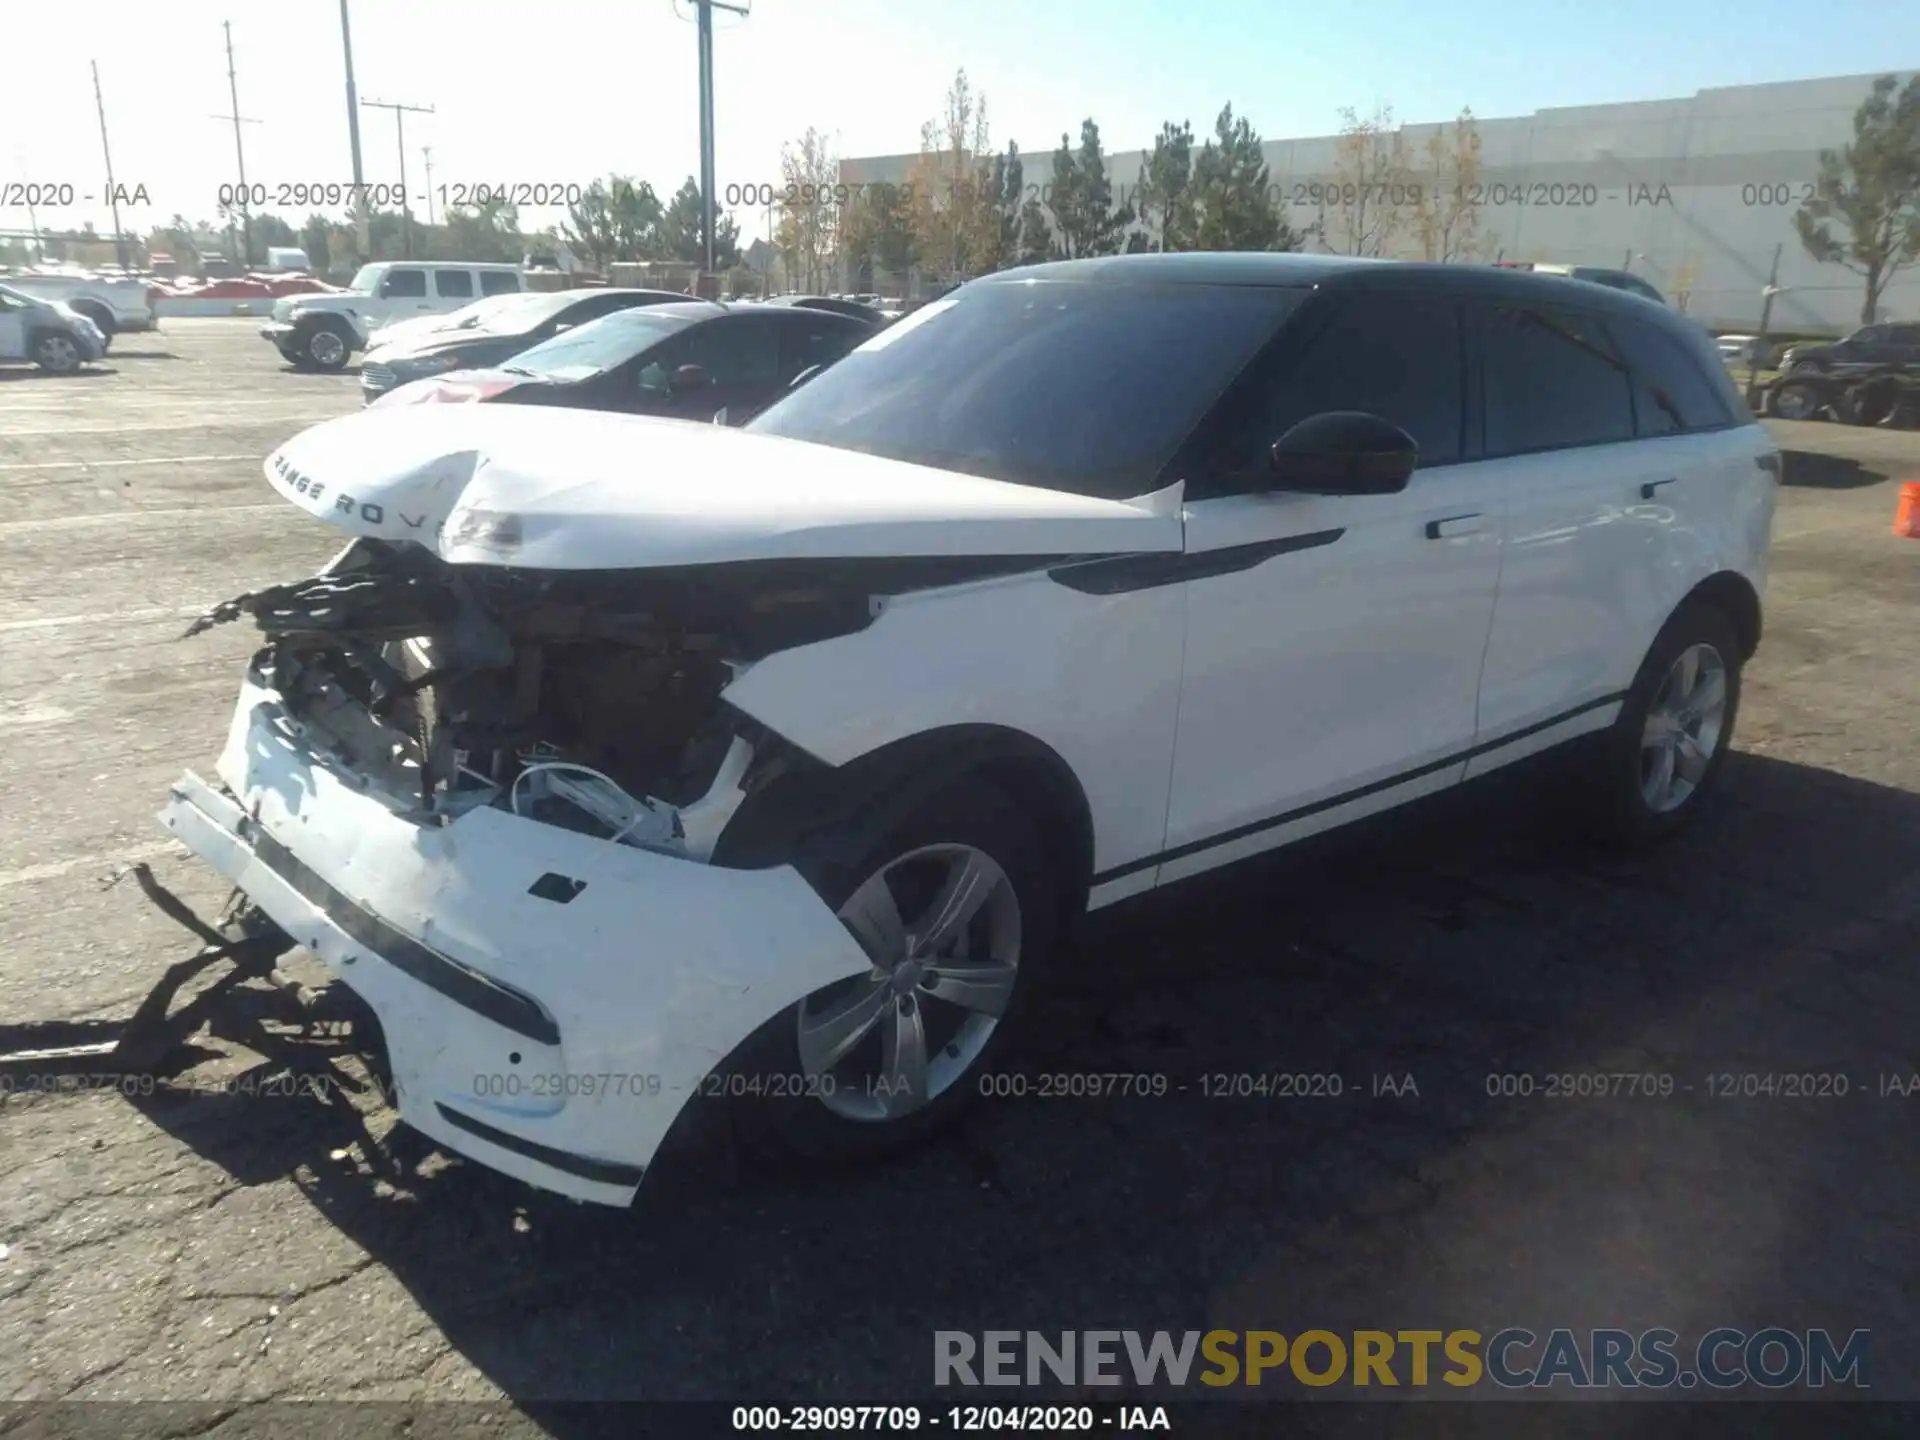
column 942, row 927
column 59, row 354
column 326, row 348
column 1683, row 728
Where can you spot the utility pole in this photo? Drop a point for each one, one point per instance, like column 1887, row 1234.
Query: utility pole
column 426, row 154
column 708, row 209
column 361, row 210
column 400, row 132
column 239, row 155
column 1760, row 346
column 113, row 197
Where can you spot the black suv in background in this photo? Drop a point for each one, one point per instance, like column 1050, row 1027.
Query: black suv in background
column 1872, row 347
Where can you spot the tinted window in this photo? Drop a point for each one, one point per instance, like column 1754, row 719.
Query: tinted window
column 1552, row 382
column 453, row 284
column 744, row 351
column 405, row 284
column 1871, row 335
column 1906, row 334
column 814, row 343
column 599, row 345
column 1671, row 394
column 1082, row 386
column 499, row 282
column 1390, row 355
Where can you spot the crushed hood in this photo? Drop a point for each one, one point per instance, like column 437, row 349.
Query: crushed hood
column 583, row 490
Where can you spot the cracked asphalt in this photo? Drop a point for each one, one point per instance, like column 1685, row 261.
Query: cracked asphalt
column 201, row 1245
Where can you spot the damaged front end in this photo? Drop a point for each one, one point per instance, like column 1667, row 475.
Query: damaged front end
column 591, row 700
column 488, row 799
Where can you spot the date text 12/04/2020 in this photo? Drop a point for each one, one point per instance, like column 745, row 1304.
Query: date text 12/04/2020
column 1307, row 195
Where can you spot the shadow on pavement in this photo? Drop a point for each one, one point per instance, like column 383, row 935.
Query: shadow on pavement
column 1453, row 951
column 1814, row 471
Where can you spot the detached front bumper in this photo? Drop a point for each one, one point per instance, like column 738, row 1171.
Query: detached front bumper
column 550, row 1001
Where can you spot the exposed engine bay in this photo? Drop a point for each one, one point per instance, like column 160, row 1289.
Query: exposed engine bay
column 588, row 699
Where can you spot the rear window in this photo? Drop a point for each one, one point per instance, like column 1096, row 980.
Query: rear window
column 1552, row 382
column 1672, row 394
column 1077, row 386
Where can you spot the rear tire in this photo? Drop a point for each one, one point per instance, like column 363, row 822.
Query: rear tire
column 1657, row 765
column 834, row 1077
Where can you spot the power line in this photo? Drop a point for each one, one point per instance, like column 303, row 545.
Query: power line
column 400, row 133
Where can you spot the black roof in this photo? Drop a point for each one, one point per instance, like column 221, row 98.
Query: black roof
column 1339, row 273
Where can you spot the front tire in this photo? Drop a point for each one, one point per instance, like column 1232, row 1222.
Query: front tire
column 55, row 352
column 1662, row 758
column 1797, row 400
column 957, row 908
column 325, row 345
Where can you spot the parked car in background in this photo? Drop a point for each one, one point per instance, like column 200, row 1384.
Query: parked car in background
column 492, row 333
column 832, row 305
column 616, row 745
column 51, row 333
column 1872, row 347
column 688, row 359
column 1741, row 349
column 324, row 331
column 113, row 304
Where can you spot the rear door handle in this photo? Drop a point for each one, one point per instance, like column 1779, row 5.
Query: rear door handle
column 1652, row 488
column 1455, row 525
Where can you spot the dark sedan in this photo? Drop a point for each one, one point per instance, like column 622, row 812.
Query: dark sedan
column 494, row 333
column 688, row 360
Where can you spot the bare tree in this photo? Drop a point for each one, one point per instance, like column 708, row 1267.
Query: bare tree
column 956, row 222
column 1446, row 207
column 1372, row 190
column 808, row 231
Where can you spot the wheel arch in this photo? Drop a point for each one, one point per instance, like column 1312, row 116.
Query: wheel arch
column 97, row 311
column 807, row 812
column 1734, row 596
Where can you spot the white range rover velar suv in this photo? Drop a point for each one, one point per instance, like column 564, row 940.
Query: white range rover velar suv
column 615, row 754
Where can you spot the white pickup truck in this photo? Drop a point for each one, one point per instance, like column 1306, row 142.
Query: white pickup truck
column 322, row 331
column 113, row 304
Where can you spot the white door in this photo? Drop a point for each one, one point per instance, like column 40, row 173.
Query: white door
column 13, row 331
column 1584, row 587
column 1332, row 664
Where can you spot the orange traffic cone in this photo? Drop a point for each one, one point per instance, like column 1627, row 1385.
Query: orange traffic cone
column 1906, row 515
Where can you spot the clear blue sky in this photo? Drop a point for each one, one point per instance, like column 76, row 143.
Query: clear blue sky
column 570, row 89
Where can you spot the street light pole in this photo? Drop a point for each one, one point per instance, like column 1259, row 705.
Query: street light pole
column 708, row 207
column 239, row 155
column 113, row 195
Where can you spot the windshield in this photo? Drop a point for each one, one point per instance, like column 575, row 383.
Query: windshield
column 1087, row 387
column 365, row 279
column 599, row 345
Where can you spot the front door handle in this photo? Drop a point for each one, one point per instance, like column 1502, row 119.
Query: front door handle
column 1652, row 488
column 1455, row 525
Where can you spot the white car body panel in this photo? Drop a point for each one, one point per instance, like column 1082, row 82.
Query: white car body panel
column 590, row 491
column 1333, row 667
column 652, row 974
column 126, row 300
column 1594, row 566
column 1095, row 678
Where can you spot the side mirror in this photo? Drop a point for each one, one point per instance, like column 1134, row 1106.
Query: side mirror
column 691, row 377
column 1344, row 452
column 804, row 376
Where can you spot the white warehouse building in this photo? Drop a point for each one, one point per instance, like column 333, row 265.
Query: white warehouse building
column 1694, row 195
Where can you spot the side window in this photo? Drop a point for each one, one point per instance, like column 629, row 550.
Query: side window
column 1394, row 356
column 404, row 285
column 744, row 351
column 499, row 282
column 813, row 342
column 1671, row 394
column 1906, row 334
column 453, row 284
column 1871, row 335
column 1552, row 382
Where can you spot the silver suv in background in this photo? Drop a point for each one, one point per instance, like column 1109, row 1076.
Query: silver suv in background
column 322, row 331
column 50, row 333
